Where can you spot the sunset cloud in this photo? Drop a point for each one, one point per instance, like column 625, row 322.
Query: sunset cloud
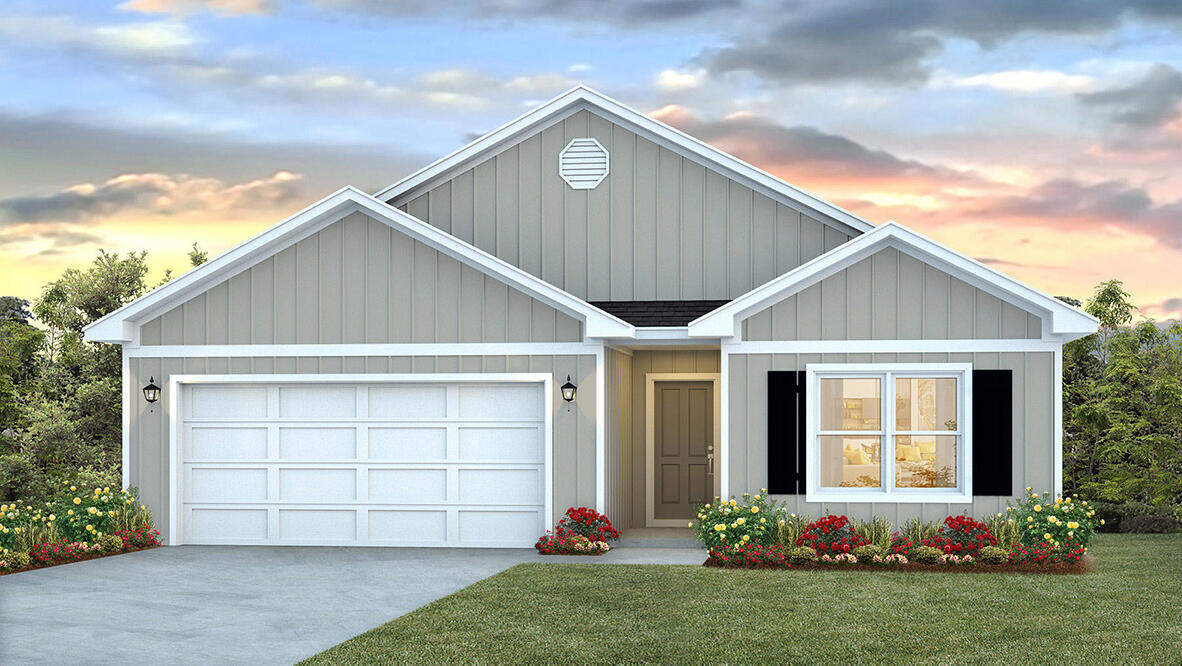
column 187, row 7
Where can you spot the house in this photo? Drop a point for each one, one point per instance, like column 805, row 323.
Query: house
column 389, row 369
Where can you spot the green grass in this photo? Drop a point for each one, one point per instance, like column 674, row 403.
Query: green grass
column 1125, row 611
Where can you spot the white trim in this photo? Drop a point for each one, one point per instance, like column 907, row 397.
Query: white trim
column 175, row 420
column 892, row 346
column 600, row 434
column 588, row 185
column 581, row 97
column 409, row 349
column 125, row 406
column 118, row 326
column 963, row 494
column 650, row 380
column 1057, row 394
column 1061, row 321
column 724, row 444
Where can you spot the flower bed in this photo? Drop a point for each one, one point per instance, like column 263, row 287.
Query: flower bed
column 74, row 527
column 581, row 531
column 1038, row 535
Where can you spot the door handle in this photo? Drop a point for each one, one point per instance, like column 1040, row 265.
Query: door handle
column 710, row 459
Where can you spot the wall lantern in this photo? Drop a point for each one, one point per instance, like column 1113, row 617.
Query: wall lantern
column 568, row 390
column 151, row 391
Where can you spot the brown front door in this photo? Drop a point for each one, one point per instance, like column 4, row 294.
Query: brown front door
column 683, row 438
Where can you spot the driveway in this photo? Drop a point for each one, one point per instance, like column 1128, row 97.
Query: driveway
column 217, row 604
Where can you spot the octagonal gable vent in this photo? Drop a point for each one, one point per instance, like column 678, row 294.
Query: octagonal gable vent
column 583, row 163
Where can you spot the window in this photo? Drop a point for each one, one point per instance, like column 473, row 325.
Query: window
column 898, row 433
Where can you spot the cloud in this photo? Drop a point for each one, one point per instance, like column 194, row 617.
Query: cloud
column 672, row 80
column 154, row 193
column 895, row 43
column 1172, row 306
column 137, row 40
column 623, row 13
column 1026, row 81
column 1150, row 102
column 188, row 7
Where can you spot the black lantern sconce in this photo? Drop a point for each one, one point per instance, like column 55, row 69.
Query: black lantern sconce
column 568, row 392
column 151, row 391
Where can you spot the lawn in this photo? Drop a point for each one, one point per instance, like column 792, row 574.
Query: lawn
column 1124, row 611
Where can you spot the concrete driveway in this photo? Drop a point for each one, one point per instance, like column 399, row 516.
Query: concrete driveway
column 218, row 604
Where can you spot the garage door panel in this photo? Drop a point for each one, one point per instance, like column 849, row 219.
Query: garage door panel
column 413, row 464
column 408, row 444
column 500, row 486
column 223, row 444
column 222, row 402
column 477, row 526
column 218, row 484
column 318, row 443
column 478, row 401
column 500, row 444
column 227, row 525
column 408, row 486
column 408, row 402
column 317, row 485
column 311, row 525
column 312, row 402
column 406, row 527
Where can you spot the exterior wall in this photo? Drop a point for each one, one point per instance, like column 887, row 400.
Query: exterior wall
column 633, row 451
column 658, row 227
column 891, row 296
column 618, row 424
column 1033, row 423
column 574, row 432
column 356, row 281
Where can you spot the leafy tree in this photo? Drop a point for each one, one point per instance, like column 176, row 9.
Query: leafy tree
column 197, row 256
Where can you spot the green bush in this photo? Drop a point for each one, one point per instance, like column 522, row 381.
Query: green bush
column 1004, row 528
column 868, row 552
column 728, row 523
column 1151, row 525
column 918, row 531
column 110, row 543
column 1057, row 521
column 993, row 555
column 801, row 555
column 790, row 527
column 877, row 531
column 925, row 555
column 15, row 560
column 1113, row 513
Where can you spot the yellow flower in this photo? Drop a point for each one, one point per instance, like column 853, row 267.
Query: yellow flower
column 1101, row 521
column 733, row 503
column 762, row 520
column 1047, row 536
column 741, row 521
column 754, row 509
column 1073, row 525
column 1034, row 495
column 90, row 528
column 1030, row 519
column 757, row 497
column 746, row 538
column 1068, row 500
column 719, row 527
column 110, row 513
column 77, row 500
column 689, row 525
column 763, row 490
column 70, row 512
column 1070, row 533
column 1038, row 507
column 52, row 517
column 73, row 487
column 91, row 509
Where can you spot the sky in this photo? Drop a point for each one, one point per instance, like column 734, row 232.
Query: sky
column 1044, row 139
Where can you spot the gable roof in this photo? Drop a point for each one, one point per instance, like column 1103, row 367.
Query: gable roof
column 1059, row 319
column 658, row 313
column 120, row 325
column 580, row 98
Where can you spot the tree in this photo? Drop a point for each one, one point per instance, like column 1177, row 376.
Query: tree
column 197, row 256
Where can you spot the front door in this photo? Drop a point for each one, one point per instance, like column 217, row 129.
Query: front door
column 683, row 447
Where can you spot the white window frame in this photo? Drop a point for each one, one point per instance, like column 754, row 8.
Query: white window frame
column 888, row 372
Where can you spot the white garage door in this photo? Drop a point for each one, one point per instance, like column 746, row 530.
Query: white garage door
column 398, row 464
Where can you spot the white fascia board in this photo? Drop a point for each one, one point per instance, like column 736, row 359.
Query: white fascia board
column 581, row 96
column 1065, row 321
column 119, row 326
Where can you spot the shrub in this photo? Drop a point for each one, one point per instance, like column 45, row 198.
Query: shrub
column 1058, row 522
column 801, row 555
column 868, row 552
column 961, row 535
column 1113, row 514
column 1151, row 524
column 587, row 523
column 917, row 530
column 14, row 561
column 831, row 534
column 62, row 551
column 110, row 543
column 749, row 555
column 1004, row 528
column 901, row 545
column 144, row 537
column 1043, row 552
column 789, row 528
column 925, row 555
column 85, row 515
column 727, row 523
column 876, row 531
column 993, row 555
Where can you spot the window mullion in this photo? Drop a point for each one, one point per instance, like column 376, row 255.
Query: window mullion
column 888, row 430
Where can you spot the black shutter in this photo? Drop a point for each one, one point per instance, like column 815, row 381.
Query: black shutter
column 785, row 432
column 993, row 434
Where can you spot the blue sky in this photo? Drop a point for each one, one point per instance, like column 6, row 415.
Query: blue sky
column 1042, row 136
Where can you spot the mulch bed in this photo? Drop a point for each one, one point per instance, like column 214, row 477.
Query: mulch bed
column 95, row 556
column 598, row 552
column 1081, row 567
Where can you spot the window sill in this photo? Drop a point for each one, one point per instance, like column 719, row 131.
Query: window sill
column 828, row 497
